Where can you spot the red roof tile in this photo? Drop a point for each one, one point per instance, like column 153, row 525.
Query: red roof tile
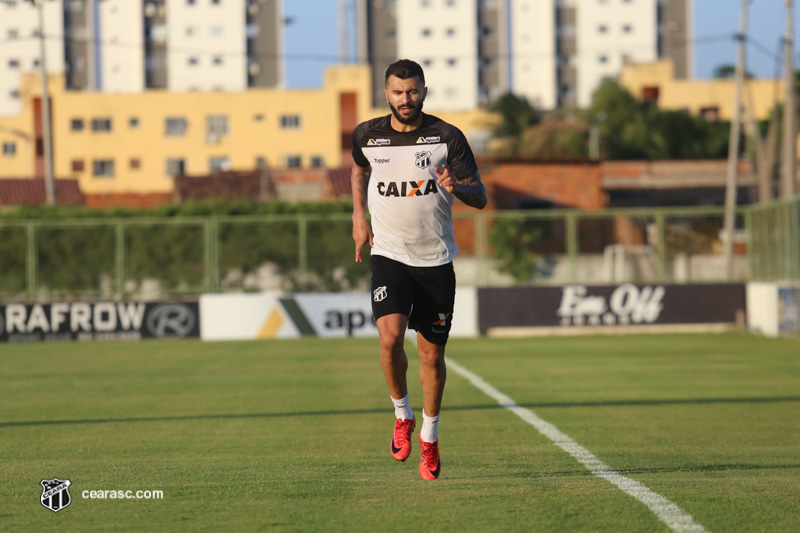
column 31, row 192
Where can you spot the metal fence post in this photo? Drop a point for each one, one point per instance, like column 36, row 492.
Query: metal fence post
column 210, row 258
column 794, row 239
column 481, row 249
column 30, row 263
column 661, row 245
column 572, row 245
column 302, row 252
column 214, row 254
column 748, row 239
column 119, row 259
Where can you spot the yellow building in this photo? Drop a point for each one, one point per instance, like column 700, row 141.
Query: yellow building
column 134, row 143
column 711, row 98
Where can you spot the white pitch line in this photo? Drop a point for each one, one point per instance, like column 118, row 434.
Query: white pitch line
column 676, row 518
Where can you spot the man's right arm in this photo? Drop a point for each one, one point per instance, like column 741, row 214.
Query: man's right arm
column 359, row 180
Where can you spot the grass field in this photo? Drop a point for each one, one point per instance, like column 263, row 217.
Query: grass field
column 294, row 435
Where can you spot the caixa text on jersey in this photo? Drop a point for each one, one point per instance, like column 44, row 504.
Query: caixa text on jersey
column 407, row 188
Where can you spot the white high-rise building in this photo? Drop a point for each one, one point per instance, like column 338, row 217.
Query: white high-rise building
column 608, row 33
column 444, row 39
column 553, row 52
column 20, row 47
column 129, row 46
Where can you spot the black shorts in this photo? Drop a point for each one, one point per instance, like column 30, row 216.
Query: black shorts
column 426, row 295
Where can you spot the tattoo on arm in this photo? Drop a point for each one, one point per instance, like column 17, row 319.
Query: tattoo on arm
column 359, row 179
column 471, row 191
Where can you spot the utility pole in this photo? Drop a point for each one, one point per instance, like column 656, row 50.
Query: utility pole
column 789, row 167
column 49, row 183
column 733, row 145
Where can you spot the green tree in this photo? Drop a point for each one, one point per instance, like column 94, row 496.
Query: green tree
column 516, row 115
column 639, row 130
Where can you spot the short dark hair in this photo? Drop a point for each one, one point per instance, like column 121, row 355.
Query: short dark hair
column 405, row 69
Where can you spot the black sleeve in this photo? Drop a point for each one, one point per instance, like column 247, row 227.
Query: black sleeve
column 358, row 155
column 459, row 155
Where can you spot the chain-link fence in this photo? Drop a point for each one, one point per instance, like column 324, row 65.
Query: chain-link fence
column 185, row 255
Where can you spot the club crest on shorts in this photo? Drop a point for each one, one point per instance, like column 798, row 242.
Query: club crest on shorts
column 55, row 493
column 422, row 159
column 379, row 294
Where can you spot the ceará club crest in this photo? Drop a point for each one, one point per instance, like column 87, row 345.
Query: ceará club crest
column 422, row 159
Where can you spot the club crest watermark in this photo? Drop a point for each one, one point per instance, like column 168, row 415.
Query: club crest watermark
column 55, row 494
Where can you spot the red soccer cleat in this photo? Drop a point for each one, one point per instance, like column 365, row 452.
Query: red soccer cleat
column 429, row 463
column 401, row 439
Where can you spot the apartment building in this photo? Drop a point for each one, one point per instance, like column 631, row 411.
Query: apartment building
column 553, row 52
column 128, row 46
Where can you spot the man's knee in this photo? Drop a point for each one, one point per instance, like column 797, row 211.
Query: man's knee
column 432, row 357
column 391, row 342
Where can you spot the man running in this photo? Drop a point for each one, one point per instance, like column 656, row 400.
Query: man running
column 411, row 166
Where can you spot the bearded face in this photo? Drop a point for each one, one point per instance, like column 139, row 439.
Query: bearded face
column 405, row 98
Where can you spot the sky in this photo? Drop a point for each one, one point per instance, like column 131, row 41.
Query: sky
column 312, row 37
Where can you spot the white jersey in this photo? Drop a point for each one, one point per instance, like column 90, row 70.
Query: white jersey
column 412, row 220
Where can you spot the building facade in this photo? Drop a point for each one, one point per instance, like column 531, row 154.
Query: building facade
column 553, row 52
column 124, row 143
column 128, row 46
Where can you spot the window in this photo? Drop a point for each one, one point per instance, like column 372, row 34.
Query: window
column 13, row 63
column 217, row 60
column 627, row 28
column 710, row 113
column 219, row 164
column 450, row 32
column 13, row 94
column 217, row 126
column 9, row 149
column 135, row 163
column 158, row 33
column 216, row 31
column 133, row 123
column 216, row 2
column 290, row 122
column 103, row 168
column 602, row 59
column 77, row 165
column 452, row 62
column 175, row 166
column 650, row 94
column 101, row 124
column 252, row 30
column 13, row 34
column 317, row 161
column 293, row 161
column 190, row 2
column 193, row 61
column 261, row 162
column 76, row 124
column 258, row 117
column 190, row 31
column 175, row 127
column 602, row 28
column 426, row 32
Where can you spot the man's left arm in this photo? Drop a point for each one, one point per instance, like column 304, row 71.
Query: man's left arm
column 469, row 190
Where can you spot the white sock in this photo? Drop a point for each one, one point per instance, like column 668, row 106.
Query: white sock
column 430, row 428
column 402, row 409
